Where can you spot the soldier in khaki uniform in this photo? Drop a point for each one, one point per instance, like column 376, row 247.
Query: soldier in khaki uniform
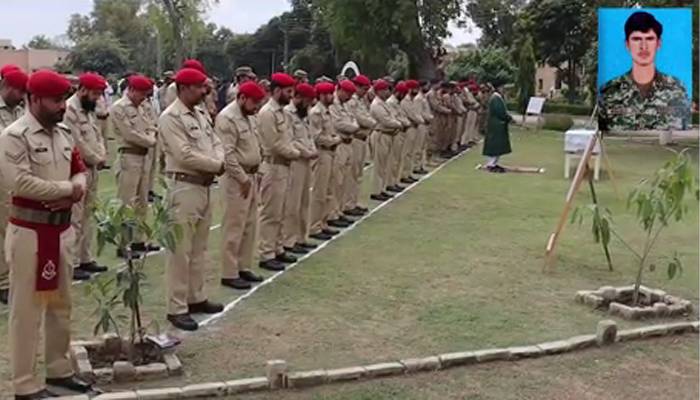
column 12, row 91
column 426, row 113
column 346, row 126
column 301, row 76
column 171, row 89
column 359, row 107
column 243, row 74
column 297, row 204
column 81, row 120
column 242, row 157
column 47, row 178
column 193, row 158
column 439, row 126
column 326, row 140
column 131, row 123
column 413, row 112
column 155, row 158
column 470, row 136
column 387, row 127
column 460, row 117
column 278, row 153
column 399, row 140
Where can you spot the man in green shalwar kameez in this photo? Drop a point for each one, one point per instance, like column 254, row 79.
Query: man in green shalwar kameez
column 497, row 141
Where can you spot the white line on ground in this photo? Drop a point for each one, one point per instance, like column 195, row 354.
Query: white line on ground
column 230, row 306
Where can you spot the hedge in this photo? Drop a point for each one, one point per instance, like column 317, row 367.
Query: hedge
column 557, row 122
column 559, row 108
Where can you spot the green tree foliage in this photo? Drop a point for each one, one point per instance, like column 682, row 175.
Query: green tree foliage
column 490, row 64
column 371, row 27
column 526, row 75
column 497, row 20
column 102, row 53
column 40, row 42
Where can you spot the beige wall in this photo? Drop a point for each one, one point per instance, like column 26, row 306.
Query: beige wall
column 32, row 59
column 545, row 79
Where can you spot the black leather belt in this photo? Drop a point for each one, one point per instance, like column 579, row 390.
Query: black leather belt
column 250, row 170
column 193, row 179
column 137, row 151
column 40, row 216
column 277, row 160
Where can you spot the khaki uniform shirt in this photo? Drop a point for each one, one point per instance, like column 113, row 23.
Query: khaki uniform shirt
column 457, row 104
column 321, row 124
column 170, row 95
column 395, row 107
column 301, row 132
column 436, row 103
column 422, row 102
column 360, row 109
column 39, row 161
column 238, row 135
column 344, row 121
column 189, row 142
column 470, row 102
column 86, row 133
column 9, row 115
column 386, row 120
column 412, row 110
column 275, row 132
column 131, row 124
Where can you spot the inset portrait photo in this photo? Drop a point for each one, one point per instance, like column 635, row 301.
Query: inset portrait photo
column 644, row 68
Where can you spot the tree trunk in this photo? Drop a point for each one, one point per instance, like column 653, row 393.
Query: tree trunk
column 421, row 64
column 176, row 26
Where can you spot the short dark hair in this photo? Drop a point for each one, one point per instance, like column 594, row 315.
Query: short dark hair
column 642, row 21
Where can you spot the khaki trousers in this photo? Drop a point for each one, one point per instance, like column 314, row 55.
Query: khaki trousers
column 153, row 160
column 359, row 155
column 461, row 119
column 319, row 198
column 421, row 146
column 240, row 226
column 4, row 215
column 82, row 219
column 191, row 205
column 27, row 312
column 471, row 133
column 295, row 225
column 273, row 189
column 133, row 177
column 395, row 159
column 407, row 156
column 381, row 145
column 344, row 175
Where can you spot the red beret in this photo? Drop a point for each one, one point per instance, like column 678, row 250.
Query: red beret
column 92, row 81
column 362, row 80
column 401, row 87
column 194, row 64
column 47, row 83
column 16, row 79
column 347, row 86
column 251, row 90
column 140, row 83
column 380, row 84
column 306, row 90
column 190, row 76
column 412, row 84
column 282, row 80
column 324, row 88
column 7, row 68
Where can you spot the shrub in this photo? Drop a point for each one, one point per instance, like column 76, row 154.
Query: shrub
column 557, row 122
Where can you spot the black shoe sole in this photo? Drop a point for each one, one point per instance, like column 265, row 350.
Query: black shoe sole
column 237, row 287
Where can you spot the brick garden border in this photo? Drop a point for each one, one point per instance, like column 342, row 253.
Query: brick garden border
column 279, row 378
column 663, row 305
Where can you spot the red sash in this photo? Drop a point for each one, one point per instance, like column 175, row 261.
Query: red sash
column 48, row 253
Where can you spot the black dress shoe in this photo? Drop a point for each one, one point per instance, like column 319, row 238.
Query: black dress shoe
column 343, row 218
column 406, row 181
column 4, row 296
column 308, row 246
column 92, row 267
column 387, row 194
column 80, row 275
column 184, row 322
column 43, row 394
column 121, row 253
column 321, row 236
column 395, row 189
column 205, row 307
column 71, row 383
column 142, row 247
column 354, row 213
column 337, row 223
column 363, row 210
column 272, row 265
column 249, row 276
column 285, row 258
column 152, row 196
column 379, row 197
column 236, row 283
column 296, row 250
column 422, row 171
column 329, row 231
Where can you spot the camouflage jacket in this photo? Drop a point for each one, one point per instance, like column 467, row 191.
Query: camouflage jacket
column 622, row 106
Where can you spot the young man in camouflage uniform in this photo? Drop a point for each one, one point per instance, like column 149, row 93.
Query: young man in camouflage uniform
column 644, row 97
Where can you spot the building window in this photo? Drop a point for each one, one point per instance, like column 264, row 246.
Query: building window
column 540, row 84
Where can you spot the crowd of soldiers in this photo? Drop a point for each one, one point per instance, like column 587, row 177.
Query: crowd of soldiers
column 289, row 157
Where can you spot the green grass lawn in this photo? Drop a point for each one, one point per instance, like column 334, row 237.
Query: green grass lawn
column 455, row 264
